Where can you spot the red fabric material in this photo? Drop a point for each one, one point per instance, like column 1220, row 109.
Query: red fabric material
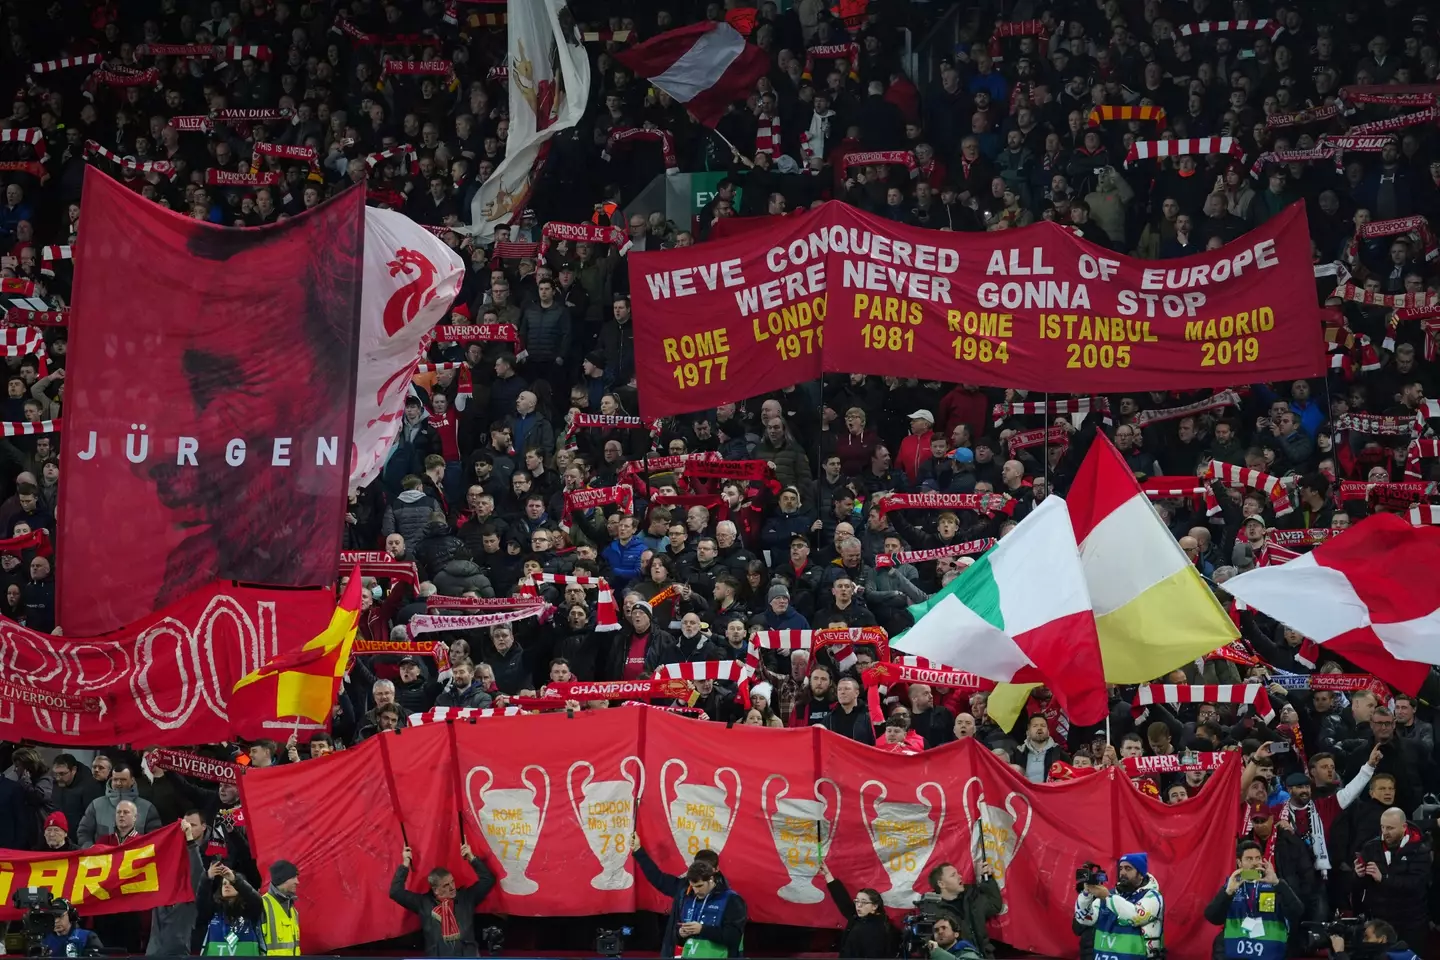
column 186, row 525
column 147, row 870
column 720, row 792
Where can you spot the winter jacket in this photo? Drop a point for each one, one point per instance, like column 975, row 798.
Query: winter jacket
column 1399, row 896
column 459, row 576
column 545, row 332
column 408, row 515
column 436, row 548
column 792, row 467
column 969, row 912
column 171, row 928
column 99, row 818
column 512, row 674
column 413, row 444
column 467, row 899
column 732, row 930
column 624, row 559
column 531, row 430
column 75, row 799
column 864, row 937
column 472, row 696
column 780, row 528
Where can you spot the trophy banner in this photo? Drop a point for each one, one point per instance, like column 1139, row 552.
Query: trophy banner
column 550, row 803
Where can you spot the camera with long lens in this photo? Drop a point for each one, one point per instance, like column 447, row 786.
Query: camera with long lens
column 40, row 908
column 918, row 928
column 611, row 943
column 1318, row 934
column 1090, row 873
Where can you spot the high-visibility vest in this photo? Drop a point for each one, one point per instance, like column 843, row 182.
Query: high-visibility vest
column 852, row 13
column 606, row 214
column 281, row 928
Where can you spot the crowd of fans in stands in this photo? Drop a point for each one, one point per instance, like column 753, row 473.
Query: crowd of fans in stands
column 474, row 491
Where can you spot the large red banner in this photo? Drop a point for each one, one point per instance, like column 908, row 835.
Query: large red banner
column 227, row 457
column 838, row 289
column 149, row 871
column 163, row 681
column 550, row 802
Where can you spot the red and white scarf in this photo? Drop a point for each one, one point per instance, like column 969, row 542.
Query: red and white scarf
column 119, row 76
column 1376, row 425
column 1248, row 693
column 459, row 714
column 21, row 341
column 1390, row 94
column 1025, row 439
column 48, row 256
column 588, row 498
column 65, row 63
column 1018, row 28
column 422, row 68
column 19, row 316
column 1332, row 153
column 28, row 428
column 1417, row 451
column 1386, row 494
column 875, row 157
column 284, row 151
column 732, row 670
column 969, row 548
column 252, row 114
column 750, row 471
column 229, row 178
column 1358, row 294
column 606, row 617
column 605, row 421
column 849, row 52
column 404, row 150
column 1302, row 117
column 1271, row 28
column 1308, row 537
column 1173, row 763
column 34, row 136
column 1416, row 224
column 162, row 168
column 1243, row 477
column 1051, row 408
column 1357, row 143
column 434, row 623
column 584, row 233
column 1391, row 124
column 767, row 136
column 1158, row 149
column 632, row 135
column 1221, row 400
column 1424, row 515
column 988, row 503
column 476, row 333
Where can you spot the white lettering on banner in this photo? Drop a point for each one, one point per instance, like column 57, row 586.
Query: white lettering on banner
column 1261, row 256
column 187, row 449
column 994, row 840
column 91, row 667
column 1043, row 295
column 681, row 283
column 605, row 811
column 880, row 279
column 1128, row 302
column 903, row 835
column 771, row 294
column 1014, row 268
column 512, row 820
column 802, row 830
column 700, row 816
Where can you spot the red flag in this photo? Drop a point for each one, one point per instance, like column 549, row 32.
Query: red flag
column 706, row 66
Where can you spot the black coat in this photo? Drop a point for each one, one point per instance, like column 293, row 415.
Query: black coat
column 675, row 887
column 466, row 900
column 1399, row 896
column 864, row 936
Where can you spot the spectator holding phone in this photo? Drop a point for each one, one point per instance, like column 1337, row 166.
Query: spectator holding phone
column 1255, row 908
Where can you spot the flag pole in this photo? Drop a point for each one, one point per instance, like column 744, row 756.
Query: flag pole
column 733, row 148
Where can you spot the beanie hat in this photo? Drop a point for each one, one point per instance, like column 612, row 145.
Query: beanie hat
column 763, row 689
column 779, row 590
column 1139, row 861
column 57, row 819
column 644, row 605
column 596, row 359
column 281, row 871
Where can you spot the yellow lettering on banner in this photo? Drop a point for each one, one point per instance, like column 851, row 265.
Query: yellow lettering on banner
column 699, row 358
column 90, row 873
column 49, row 873
column 1232, row 338
column 138, row 876
column 1076, row 326
column 981, row 336
column 1089, row 356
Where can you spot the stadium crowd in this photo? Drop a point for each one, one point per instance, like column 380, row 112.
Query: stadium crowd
column 474, row 491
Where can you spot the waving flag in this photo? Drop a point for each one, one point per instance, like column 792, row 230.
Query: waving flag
column 706, row 66
column 1021, row 612
column 304, row 683
column 1357, row 595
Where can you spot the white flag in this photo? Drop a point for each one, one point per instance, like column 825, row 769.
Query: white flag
column 549, row 87
column 411, row 279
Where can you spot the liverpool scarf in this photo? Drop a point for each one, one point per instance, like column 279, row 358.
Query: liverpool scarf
column 33, row 136
column 476, row 333
column 1331, row 152
column 848, row 52
column 28, row 428
column 1391, row 124
column 969, row 548
column 193, row 765
column 162, row 168
column 750, row 471
column 65, row 63
column 1390, row 94
column 21, row 341
column 658, row 689
column 1192, row 762
column 432, row 623
column 584, row 233
column 732, row 670
column 1105, row 114
column 988, row 503
column 767, row 136
column 404, row 151
column 1270, row 28
column 1417, row 451
column 1357, row 143
column 26, row 695
column 1301, row 118
column 875, row 157
column 1017, row 28
column 605, row 421
column 1051, row 408
column 1424, row 515
column 228, row 178
column 284, row 152
column 588, row 498
column 1025, row 439
column 631, row 135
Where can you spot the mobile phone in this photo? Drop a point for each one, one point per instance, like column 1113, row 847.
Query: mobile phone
column 1250, row 875
column 1279, row 746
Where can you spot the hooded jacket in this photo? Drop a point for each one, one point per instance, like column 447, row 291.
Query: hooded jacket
column 1400, row 893
column 99, row 817
column 408, row 515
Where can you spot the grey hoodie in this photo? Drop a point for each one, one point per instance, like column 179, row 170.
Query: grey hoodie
column 99, row 817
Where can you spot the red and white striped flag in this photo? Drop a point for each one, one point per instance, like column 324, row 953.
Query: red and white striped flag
column 48, row 256
column 1156, row 149
column 21, row 341
column 706, row 66
column 1250, row 693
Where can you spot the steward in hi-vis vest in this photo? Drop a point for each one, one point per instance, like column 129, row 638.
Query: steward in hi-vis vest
column 280, row 922
column 710, row 918
column 1256, row 908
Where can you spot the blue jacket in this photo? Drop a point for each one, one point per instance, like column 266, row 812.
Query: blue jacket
column 74, row 945
column 624, row 559
column 791, row 620
column 1310, row 414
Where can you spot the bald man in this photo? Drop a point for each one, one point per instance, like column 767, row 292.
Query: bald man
column 1395, row 875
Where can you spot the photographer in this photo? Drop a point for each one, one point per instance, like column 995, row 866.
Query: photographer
column 1257, row 909
column 1135, row 907
column 968, row 907
column 69, row 940
column 1378, row 940
column 947, row 944
column 867, row 929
